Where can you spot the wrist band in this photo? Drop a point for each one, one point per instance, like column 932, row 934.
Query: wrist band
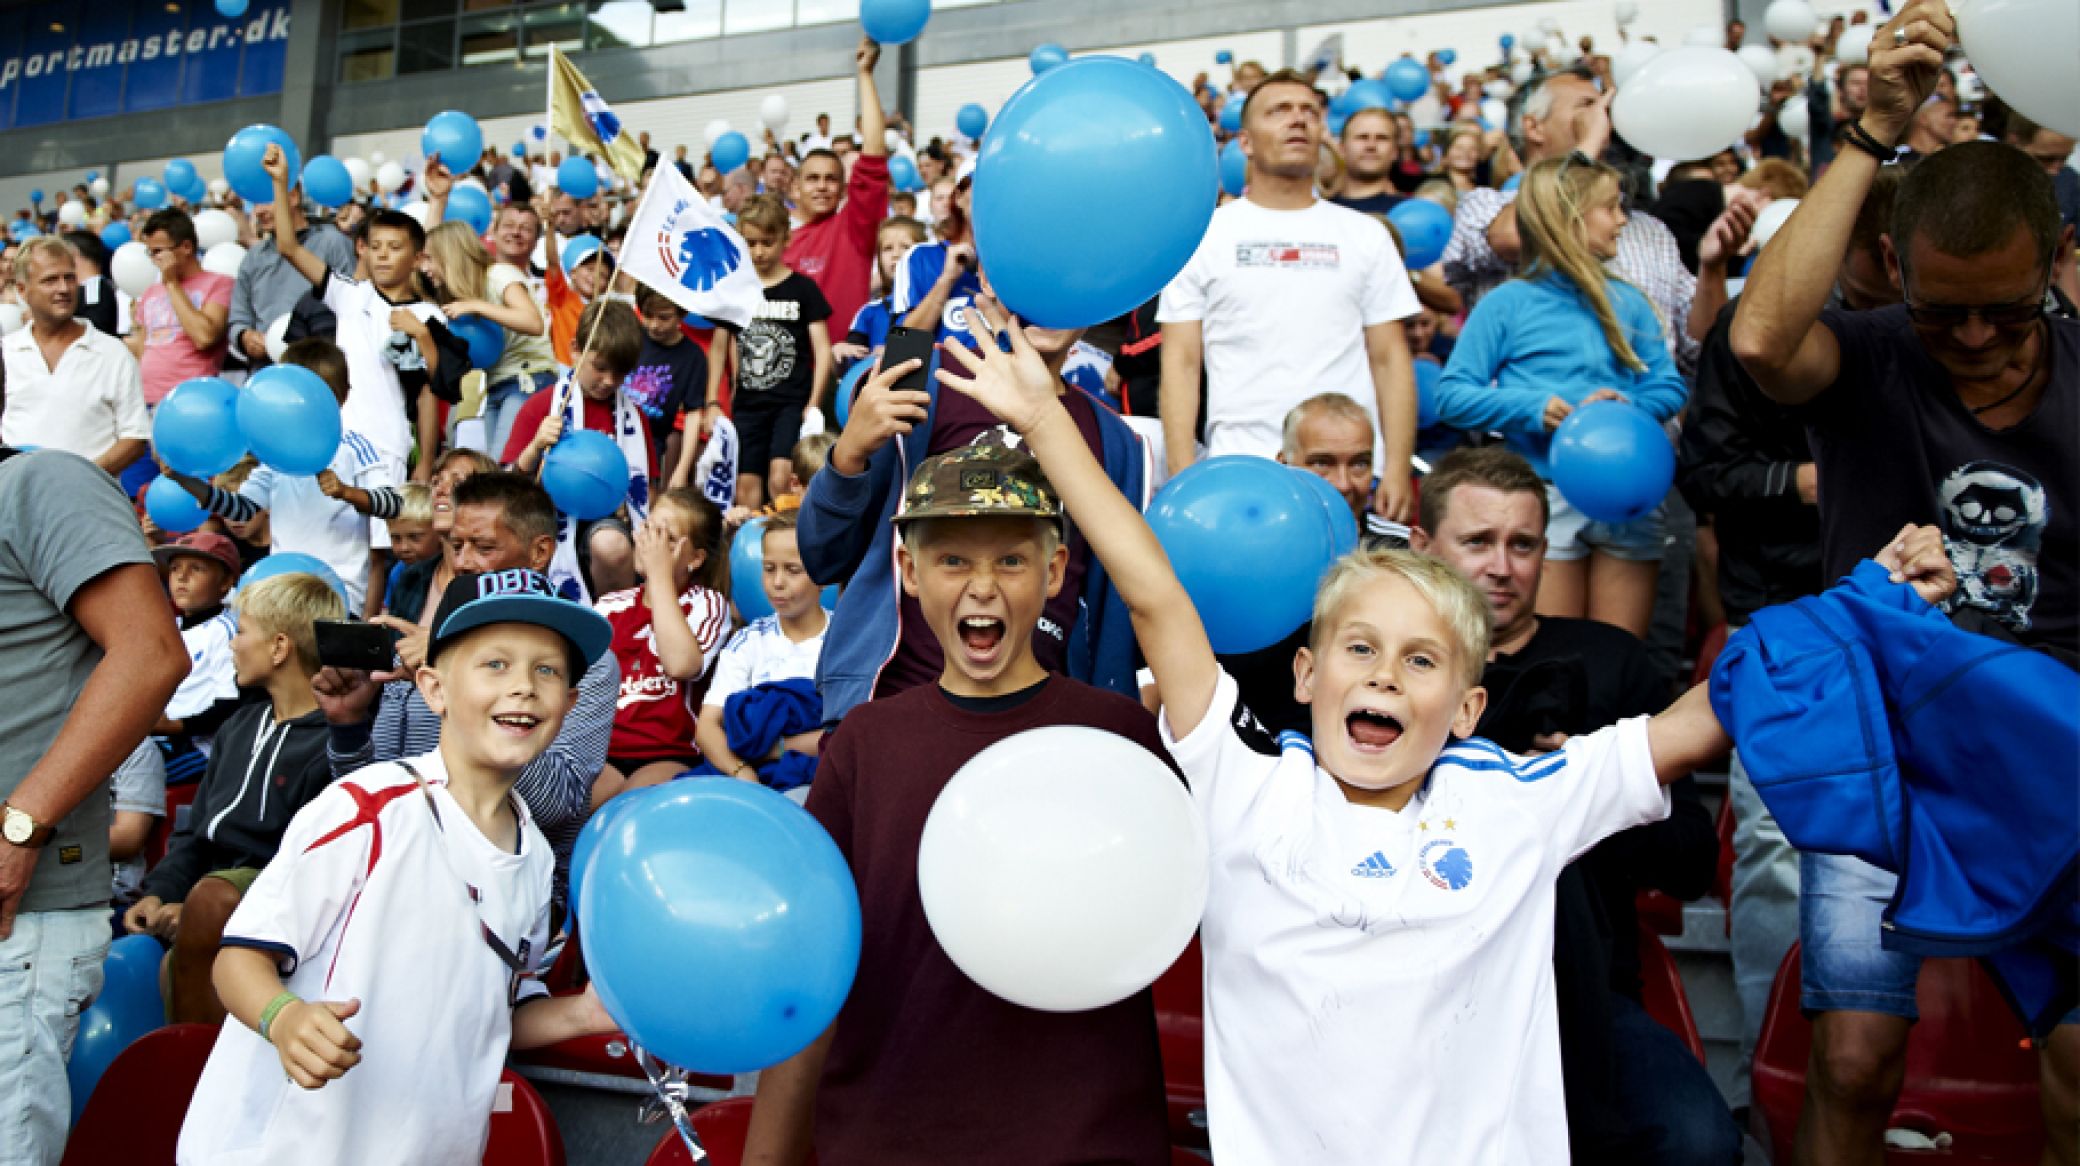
column 274, row 1009
column 1854, row 133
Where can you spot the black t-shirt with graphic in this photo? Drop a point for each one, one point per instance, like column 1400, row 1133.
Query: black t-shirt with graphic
column 775, row 361
column 1894, row 445
column 664, row 380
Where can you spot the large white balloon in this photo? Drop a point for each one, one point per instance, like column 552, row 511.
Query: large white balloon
column 1769, row 220
column 11, row 319
column 773, row 112
column 1627, row 63
column 389, row 176
column 72, row 213
column 1795, row 119
column 1792, row 21
column 213, row 227
column 1853, row 47
column 2028, row 53
column 1760, row 61
column 224, row 259
column 132, row 269
column 357, row 169
column 715, row 130
column 1063, row 868
column 277, row 337
column 1690, row 102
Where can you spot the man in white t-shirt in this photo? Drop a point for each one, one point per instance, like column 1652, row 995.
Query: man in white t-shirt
column 69, row 386
column 1289, row 296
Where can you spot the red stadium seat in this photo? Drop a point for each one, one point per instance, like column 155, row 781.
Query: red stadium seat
column 522, row 1132
column 1180, row 1026
column 136, row 1111
column 1661, row 988
column 1971, row 1072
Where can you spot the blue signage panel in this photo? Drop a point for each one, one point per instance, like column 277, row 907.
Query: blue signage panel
column 64, row 60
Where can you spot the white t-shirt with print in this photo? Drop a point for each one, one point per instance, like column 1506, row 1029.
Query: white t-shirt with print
column 1284, row 298
column 304, row 521
column 369, row 898
column 1379, row 985
column 211, row 674
column 760, row 653
column 375, row 403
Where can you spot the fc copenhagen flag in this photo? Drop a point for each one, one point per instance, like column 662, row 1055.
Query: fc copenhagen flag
column 578, row 113
column 679, row 247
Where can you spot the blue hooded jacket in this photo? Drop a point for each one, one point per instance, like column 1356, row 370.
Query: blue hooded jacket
column 1872, row 727
column 846, row 536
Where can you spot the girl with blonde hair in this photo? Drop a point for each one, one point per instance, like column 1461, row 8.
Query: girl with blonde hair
column 1561, row 334
column 466, row 282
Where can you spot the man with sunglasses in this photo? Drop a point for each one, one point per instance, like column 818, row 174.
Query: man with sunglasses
column 1956, row 408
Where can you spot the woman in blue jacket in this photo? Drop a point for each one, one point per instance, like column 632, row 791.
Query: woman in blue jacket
column 1562, row 334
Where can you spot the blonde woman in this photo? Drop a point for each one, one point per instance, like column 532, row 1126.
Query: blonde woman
column 1561, row 334
column 467, row 283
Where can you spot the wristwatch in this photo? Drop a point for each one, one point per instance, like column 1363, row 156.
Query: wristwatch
column 19, row 829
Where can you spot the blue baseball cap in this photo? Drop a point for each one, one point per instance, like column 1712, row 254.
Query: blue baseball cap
column 475, row 600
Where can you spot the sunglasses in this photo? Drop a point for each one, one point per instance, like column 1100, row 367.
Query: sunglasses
column 2011, row 315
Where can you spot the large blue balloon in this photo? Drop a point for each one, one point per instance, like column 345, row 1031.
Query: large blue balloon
column 1248, row 542
column 195, row 429
column 453, row 137
column 180, row 175
column 730, row 886
column 1369, row 93
column 1611, row 461
column 1101, row 123
column 127, row 1008
column 1336, row 511
column 469, row 204
column 972, row 120
column 586, row 475
column 290, row 419
column 730, row 151
column 149, row 194
column 894, row 22
column 115, row 235
column 902, row 173
column 242, row 157
column 172, row 508
column 327, row 181
column 1046, row 56
column 747, row 565
column 1407, row 79
column 1425, row 229
column 577, row 178
column 1234, row 169
column 486, row 340
column 848, row 386
column 1231, row 115
column 595, row 828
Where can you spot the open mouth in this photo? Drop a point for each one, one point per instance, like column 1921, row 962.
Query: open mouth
column 981, row 634
column 1372, row 730
column 518, row 724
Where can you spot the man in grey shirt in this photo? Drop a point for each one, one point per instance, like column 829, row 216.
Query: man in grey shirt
column 90, row 657
column 268, row 287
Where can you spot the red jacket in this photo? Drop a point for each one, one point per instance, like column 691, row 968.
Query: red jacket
column 838, row 252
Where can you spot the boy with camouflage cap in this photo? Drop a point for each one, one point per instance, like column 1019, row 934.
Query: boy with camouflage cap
column 971, row 1077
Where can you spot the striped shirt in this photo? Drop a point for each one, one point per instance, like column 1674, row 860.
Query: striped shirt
column 305, row 521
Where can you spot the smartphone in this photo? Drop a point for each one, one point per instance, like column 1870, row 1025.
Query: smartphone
column 910, row 344
column 365, row 647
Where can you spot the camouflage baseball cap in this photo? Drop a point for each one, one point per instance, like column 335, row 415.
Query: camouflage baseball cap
column 980, row 481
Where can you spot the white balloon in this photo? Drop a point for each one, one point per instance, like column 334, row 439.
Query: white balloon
column 375, row 157
column 773, row 112
column 1796, row 62
column 220, row 186
column 1521, row 72
column 1792, row 21
column 2027, row 52
column 1690, row 102
column 1854, row 45
column 389, row 176
column 358, row 171
column 1794, row 118
column 417, row 209
column 1769, row 220
column 224, row 259
column 1563, row 52
column 1549, row 25
column 132, row 269
column 1495, row 112
column 72, row 213
column 1630, row 58
column 213, row 227
column 1626, row 12
column 1760, row 61
column 100, row 187
column 1063, row 868
column 1705, row 35
column 715, row 130
column 11, row 319
column 277, row 337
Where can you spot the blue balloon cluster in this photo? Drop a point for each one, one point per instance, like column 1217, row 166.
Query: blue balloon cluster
column 1250, row 543
column 972, row 120
column 1234, row 169
column 1611, row 461
column 290, row 419
column 1425, row 230
column 894, row 22
column 730, row 151
column 327, row 181
column 1407, row 79
column 469, row 204
column 586, row 475
column 242, row 158
column 577, row 178
column 454, row 138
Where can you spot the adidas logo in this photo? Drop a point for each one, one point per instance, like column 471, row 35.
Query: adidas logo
column 1374, row 867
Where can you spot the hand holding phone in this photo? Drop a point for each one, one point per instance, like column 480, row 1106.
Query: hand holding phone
column 890, row 403
column 364, row 647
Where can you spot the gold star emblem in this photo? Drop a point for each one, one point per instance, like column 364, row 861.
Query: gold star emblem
column 1450, row 825
column 1422, row 825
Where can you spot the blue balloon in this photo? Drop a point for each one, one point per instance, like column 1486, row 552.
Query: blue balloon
column 848, row 386
column 93, row 174
column 115, row 235
column 1425, row 229
column 894, row 22
column 36, row 196
column 454, row 138
column 1611, row 461
column 1224, row 57
column 195, row 192
column 195, row 429
column 596, row 828
column 577, row 178
column 127, row 1008
column 1336, row 511
column 486, row 340
column 1513, row 181
column 902, row 173
column 469, row 204
column 1147, row 59
column 1407, row 79
column 1099, row 123
column 296, row 563
column 149, row 194
column 1231, row 115
column 578, row 249
column 1428, row 373
column 1336, row 123
column 327, row 181
column 539, row 133
column 180, row 175
column 231, row 9
column 1046, row 56
column 747, row 557
column 731, row 886
column 1369, row 93
column 586, row 475
column 519, row 149
column 137, row 475
column 972, row 120
column 730, row 151
column 172, row 508
column 242, row 155
column 290, row 419
column 1234, row 169
column 1508, row 42
column 1447, row 56
column 1249, row 545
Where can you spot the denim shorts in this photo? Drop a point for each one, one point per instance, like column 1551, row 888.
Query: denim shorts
column 1571, row 535
column 1845, row 967
column 50, row 969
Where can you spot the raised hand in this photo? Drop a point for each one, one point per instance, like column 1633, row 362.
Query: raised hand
column 1014, row 386
column 1906, row 59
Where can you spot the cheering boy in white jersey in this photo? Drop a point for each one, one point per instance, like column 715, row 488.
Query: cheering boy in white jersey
column 387, row 953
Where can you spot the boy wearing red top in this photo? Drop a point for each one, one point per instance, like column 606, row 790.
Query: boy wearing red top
column 834, row 243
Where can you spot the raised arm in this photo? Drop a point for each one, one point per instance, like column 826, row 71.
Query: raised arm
column 873, row 119
column 285, row 241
